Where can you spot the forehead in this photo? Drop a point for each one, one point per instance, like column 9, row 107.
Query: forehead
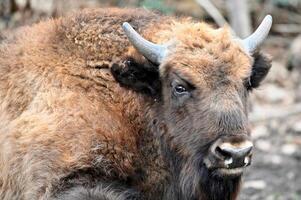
column 206, row 54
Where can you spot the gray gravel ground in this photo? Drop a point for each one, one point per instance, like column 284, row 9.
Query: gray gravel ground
column 275, row 173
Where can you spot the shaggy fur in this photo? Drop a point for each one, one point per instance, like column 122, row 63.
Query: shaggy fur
column 100, row 191
column 84, row 116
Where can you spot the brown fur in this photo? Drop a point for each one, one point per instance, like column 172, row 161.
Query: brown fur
column 62, row 111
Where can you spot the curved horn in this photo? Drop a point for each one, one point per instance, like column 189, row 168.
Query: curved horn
column 252, row 42
column 151, row 51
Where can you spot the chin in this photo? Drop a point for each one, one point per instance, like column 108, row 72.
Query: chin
column 219, row 183
column 216, row 183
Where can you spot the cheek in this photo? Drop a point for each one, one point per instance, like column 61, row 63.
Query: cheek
column 180, row 102
column 243, row 94
column 178, row 111
column 181, row 122
column 245, row 102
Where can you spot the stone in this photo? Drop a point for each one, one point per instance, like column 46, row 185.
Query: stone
column 255, row 184
column 260, row 131
column 289, row 149
column 263, row 145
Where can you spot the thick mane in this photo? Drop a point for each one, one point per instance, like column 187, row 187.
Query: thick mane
column 61, row 108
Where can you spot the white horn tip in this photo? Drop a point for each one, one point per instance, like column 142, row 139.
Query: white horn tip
column 126, row 25
column 268, row 20
column 269, row 17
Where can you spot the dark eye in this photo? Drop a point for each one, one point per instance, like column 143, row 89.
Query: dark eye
column 180, row 89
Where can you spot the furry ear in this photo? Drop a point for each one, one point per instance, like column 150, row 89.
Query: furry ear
column 260, row 69
column 140, row 76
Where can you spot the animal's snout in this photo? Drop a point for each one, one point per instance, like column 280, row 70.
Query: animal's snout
column 230, row 152
column 234, row 154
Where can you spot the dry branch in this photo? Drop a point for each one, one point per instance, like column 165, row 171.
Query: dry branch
column 212, row 11
column 238, row 12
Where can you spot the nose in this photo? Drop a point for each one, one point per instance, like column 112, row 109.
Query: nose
column 235, row 151
column 234, row 154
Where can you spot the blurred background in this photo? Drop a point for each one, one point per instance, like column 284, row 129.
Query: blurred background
column 276, row 107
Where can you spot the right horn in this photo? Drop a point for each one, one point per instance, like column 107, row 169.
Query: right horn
column 252, row 42
column 154, row 52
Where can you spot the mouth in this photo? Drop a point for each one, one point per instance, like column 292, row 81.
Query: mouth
column 225, row 171
column 228, row 173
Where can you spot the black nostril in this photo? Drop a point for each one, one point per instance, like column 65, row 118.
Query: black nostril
column 222, row 153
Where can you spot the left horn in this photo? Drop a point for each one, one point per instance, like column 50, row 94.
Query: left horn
column 154, row 52
column 252, row 42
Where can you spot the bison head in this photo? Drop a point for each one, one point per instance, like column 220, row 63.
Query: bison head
column 204, row 76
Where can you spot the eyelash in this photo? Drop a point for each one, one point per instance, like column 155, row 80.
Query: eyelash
column 248, row 84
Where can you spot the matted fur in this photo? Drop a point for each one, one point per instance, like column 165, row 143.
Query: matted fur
column 76, row 108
